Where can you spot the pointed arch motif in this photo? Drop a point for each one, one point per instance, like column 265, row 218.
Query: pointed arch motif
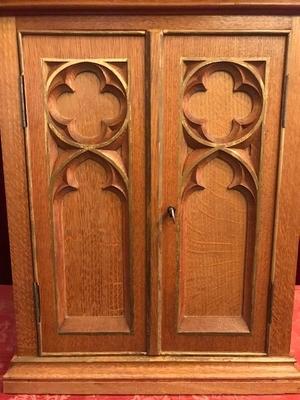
column 239, row 149
column 70, row 151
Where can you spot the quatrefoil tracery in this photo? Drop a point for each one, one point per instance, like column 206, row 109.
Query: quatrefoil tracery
column 246, row 79
column 106, row 147
column 63, row 81
column 234, row 147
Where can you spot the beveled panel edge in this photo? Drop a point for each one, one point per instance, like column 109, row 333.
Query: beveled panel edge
column 105, row 32
column 165, row 357
column 214, row 32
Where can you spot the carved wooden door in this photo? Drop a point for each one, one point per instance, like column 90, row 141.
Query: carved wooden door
column 86, row 154
column 221, row 119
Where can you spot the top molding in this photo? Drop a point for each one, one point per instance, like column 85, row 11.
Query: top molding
column 151, row 6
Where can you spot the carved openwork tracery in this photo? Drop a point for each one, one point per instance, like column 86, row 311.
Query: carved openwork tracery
column 239, row 146
column 70, row 146
column 72, row 143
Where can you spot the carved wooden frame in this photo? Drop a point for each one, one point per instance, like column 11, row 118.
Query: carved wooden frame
column 233, row 150
column 101, row 149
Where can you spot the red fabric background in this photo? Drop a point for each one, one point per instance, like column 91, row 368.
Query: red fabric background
column 298, row 267
column 5, row 271
column 7, row 344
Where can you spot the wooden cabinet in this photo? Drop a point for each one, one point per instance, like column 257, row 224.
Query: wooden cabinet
column 151, row 180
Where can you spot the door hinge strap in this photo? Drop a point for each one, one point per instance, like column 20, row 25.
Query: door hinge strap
column 283, row 101
column 23, row 102
column 270, row 301
column 37, row 302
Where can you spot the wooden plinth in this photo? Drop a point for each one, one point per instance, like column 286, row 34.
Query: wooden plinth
column 152, row 375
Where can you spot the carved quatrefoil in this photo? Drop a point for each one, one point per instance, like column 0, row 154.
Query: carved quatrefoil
column 246, row 79
column 110, row 83
column 74, row 142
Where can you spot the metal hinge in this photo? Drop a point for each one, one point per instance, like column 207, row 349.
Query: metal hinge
column 37, row 302
column 283, row 101
column 23, row 102
column 270, row 301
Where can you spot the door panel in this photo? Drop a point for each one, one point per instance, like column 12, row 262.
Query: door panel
column 221, row 124
column 85, row 138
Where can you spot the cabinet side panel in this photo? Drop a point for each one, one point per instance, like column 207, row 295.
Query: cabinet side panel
column 288, row 206
column 12, row 139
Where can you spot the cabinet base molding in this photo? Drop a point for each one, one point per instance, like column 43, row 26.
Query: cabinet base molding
column 260, row 375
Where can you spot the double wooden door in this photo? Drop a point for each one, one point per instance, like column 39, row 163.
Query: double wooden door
column 88, row 108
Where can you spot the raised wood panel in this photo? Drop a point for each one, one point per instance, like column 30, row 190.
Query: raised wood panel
column 213, row 251
column 216, row 259
column 222, row 116
column 86, row 182
column 88, row 144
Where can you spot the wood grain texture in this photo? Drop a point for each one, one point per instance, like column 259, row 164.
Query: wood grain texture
column 288, row 205
column 12, row 139
column 183, row 363
column 256, row 6
column 154, row 378
column 214, row 238
column 161, row 22
column 93, row 252
column 181, row 167
column 219, row 190
column 154, row 61
column 221, row 387
column 219, row 104
column 91, row 168
column 87, row 115
column 89, row 108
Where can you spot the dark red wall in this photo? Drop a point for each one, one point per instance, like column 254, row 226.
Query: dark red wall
column 5, row 270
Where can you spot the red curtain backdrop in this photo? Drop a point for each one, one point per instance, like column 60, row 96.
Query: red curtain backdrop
column 298, row 267
column 5, row 270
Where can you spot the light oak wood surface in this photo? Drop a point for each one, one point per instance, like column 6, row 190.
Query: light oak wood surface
column 222, row 188
column 125, row 116
column 288, row 206
column 16, row 190
column 256, row 6
column 153, row 377
column 87, row 177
